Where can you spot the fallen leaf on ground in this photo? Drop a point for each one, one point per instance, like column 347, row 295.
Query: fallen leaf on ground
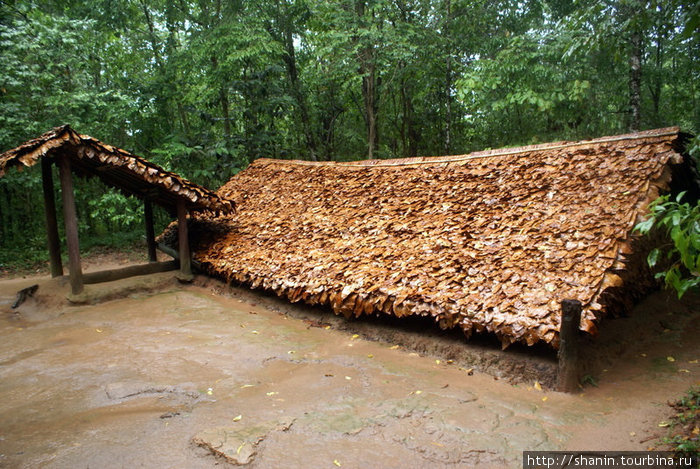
column 393, row 347
column 337, row 463
column 671, row 359
column 237, row 418
column 664, row 424
column 98, row 330
column 544, row 399
column 537, row 386
column 355, row 336
column 272, row 393
column 369, row 355
column 247, row 386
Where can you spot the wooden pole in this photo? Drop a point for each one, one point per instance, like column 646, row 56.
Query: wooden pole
column 567, row 377
column 129, row 271
column 54, row 243
column 70, row 219
column 184, row 242
column 150, row 232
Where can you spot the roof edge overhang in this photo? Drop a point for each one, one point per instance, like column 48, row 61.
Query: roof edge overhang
column 117, row 168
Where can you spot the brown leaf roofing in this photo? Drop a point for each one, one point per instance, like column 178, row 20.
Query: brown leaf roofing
column 493, row 240
column 117, row 168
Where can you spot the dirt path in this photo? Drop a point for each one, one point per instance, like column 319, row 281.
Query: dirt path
column 185, row 378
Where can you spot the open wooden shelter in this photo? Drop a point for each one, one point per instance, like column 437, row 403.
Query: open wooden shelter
column 132, row 175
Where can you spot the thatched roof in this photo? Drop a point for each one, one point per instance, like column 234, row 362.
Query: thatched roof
column 115, row 167
column 490, row 241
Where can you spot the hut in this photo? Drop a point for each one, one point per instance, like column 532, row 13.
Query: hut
column 490, row 241
column 132, row 175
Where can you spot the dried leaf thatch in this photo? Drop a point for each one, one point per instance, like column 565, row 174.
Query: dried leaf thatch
column 488, row 241
column 117, row 168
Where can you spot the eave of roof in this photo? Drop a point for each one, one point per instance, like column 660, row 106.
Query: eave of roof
column 117, row 168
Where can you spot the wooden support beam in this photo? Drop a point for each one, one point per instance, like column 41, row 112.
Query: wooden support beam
column 130, row 271
column 150, row 232
column 70, row 219
column 196, row 265
column 567, row 376
column 54, row 242
column 183, row 239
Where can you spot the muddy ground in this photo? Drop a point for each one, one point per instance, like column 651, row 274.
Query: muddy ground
column 170, row 375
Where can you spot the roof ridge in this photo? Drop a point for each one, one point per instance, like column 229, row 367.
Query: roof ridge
column 654, row 133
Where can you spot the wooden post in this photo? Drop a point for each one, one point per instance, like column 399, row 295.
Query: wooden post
column 71, row 221
column 184, row 242
column 150, row 233
column 54, row 243
column 567, row 377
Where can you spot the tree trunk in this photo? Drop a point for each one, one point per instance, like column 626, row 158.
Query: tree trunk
column 369, row 89
column 635, row 81
column 369, row 86
column 293, row 75
column 448, row 80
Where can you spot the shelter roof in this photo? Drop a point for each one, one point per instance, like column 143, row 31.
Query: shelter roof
column 117, row 168
column 493, row 240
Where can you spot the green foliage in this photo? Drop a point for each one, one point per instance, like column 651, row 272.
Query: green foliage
column 685, row 423
column 680, row 260
column 204, row 87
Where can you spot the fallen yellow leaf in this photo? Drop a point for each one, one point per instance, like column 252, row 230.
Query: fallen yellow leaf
column 437, row 362
column 544, row 399
column 337, row 463
column 98, row 330
column 393, row 347
column 537, row 386
column 632, row 434
column 272, row 393
column 348, row 378
column 671, row 359
column 327, row 327
column 369, row 355
column 237, row 418
column 683, row 370
column 694, row 362
column 696, row 431
column 247, row 386
column 355, row 336
column 254, row 332
column 664, row 424
column 292, row 352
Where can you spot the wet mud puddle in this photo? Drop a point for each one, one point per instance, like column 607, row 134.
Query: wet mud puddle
column 189, row 379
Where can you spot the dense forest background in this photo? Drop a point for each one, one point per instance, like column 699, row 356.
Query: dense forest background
column 203, row 87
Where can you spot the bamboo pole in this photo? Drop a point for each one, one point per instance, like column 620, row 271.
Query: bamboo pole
column 70, row 219
column 53, row 241
column 150, row 232
column 567, row 376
